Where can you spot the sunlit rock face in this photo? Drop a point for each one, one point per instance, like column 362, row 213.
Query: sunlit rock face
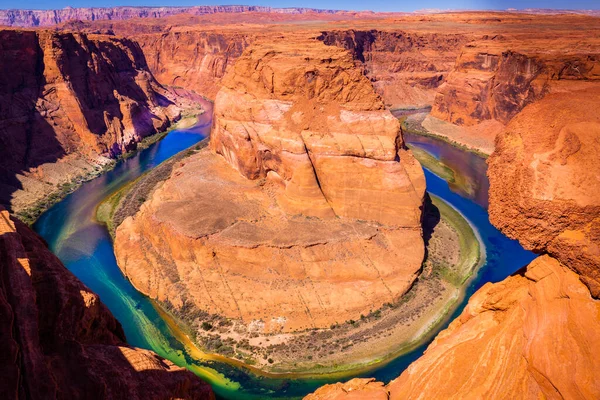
column 406, row 68
column 544, row 180
column 304, row 212
column 533, row 335
column 60, row 341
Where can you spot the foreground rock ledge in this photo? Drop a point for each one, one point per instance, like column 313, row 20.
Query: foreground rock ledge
column 533, row 335
column 60, row 341
column 308, row 215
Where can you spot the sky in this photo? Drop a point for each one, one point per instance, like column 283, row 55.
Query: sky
column 374, row 5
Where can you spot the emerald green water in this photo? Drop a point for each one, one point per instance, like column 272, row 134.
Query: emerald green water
column 85, row 248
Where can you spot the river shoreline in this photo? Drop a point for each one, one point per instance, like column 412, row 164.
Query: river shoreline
column 85, row 248
column 352, row 346
column 412, row 120
column 30, row 214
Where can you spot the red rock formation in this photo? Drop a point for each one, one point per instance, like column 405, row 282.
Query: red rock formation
column 406, row 68
column 354, row 389
column 533, row 335
column 60, row 341
column 496, row 77
column 321, row 220
column 192, row 58
column 544, row 180
column 72, row 98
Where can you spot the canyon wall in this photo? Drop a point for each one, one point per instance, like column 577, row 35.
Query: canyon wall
column 67, row 100
column 496, row 76
column 544, row 180
column 60, row 341
column 192, row 58
column 534, row 334
column 406, row 68
column 33, row 18
column 307, row 211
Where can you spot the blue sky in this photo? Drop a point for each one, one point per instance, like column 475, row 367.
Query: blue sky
column 375, row 5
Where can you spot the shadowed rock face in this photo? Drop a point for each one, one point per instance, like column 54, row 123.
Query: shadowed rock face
column 72, row 97
column 307, row 215
column 544, row 181
column 60, row 341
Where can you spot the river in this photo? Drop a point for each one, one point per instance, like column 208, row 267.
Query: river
column 85, row 247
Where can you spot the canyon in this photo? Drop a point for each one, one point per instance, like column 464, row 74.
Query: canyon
column 34, row 18
column 304, row 215
column 75, row 102
column 537, row 325
column 306, row 175
column 474, row 71
column 60, row 341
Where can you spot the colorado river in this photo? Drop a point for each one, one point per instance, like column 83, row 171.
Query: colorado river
column 85, row 248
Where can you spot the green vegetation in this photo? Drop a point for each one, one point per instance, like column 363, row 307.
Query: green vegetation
column 470, row 248
column 128, row 199
column 414, row 129
column 433, row 164
column 30, row 214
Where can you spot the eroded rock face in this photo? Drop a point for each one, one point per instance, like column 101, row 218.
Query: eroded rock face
column 406, row 68
column 307, row 215
column 193, row 58
column 72, row 97
column 60, row 341
column 354, row 389
column 495, row 78
column 533, row 335
column 544, row 180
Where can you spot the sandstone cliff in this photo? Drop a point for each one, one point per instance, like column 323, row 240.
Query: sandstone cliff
column 544, row 180
column 60, row 341
column 406, row 68
column 317, row 222
column 495, row 77
column 66, row 100
column 535, row 334
column 192, row 58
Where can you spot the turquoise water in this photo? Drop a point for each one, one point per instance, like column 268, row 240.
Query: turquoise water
column 85, row 248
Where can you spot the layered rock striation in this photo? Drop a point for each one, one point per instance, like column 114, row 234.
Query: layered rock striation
column 544, row 180
column 406, row 68
column 535, row 334
column 67, row 100
column 60, row 341
column 496, row 76
column 305, row 212
column 193, row 58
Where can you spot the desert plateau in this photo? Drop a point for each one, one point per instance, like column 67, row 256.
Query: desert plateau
column 273, row 202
